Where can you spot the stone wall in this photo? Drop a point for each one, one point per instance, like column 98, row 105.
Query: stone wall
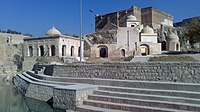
column 188, row 72
column 146, row 16
column 7, row 72
column 117, row 18
column 72, row 95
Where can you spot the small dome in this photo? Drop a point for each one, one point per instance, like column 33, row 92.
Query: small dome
column 53, row 32
column 173, row 37
column 148, row 30
column 131, row 18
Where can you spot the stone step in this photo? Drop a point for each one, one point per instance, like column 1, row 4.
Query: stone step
column 46, row 81
column 177, row 93
column 148, row 97
column 123, row 83
column 86, row 108
column 140, row 59
column 34, row 82
column 145, row 102
column 127, row 107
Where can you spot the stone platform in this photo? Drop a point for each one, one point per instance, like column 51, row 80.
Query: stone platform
column 109, row 95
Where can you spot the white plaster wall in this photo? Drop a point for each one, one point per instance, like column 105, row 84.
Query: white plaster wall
column 69, row 42
column 122, row 37
column 35, row 43
column 114, row 50
column 172, row 46
column 151, row 38
column 156, row 48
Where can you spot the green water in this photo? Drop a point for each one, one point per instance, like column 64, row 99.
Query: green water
column 12, row 101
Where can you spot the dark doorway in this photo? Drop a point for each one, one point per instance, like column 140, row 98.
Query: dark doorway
column 72, row 50
column 53, row 50
column 103, row 53
column 164, row 47
column 41, row 51
column 123, row 53
column 63, row 50
column 79, row 51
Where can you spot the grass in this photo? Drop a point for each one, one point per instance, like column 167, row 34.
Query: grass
column 129, row 58
column 173, row 58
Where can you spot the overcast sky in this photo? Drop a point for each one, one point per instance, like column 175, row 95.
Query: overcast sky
column 38, row 16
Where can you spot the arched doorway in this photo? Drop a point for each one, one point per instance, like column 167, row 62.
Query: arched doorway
column 53, row 50
column 30, row 51
column 123, row 53
column 177, row 47
column 144, row 49
column 63, row 50
column 103, row 51
column 41, row 50
column 72, row 50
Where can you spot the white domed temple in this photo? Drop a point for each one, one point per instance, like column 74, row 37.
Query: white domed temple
column 52, row 45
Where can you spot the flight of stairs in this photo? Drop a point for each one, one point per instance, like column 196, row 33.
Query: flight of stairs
column 163, row 97
column 111, row 99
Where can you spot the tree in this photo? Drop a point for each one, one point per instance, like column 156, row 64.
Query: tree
column 192, row 32
column 13, row 32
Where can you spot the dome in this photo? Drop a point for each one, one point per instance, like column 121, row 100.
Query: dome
column 131, row 18
column 148, row 30
column 173, row 37
column 53, row 32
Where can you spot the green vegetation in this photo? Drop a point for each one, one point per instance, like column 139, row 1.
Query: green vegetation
column 129, row 58
column 117, row 59
column 193, row 31
column 15, row 32
column 173, row 58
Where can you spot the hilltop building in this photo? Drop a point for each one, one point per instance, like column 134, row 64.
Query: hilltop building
column 147, row 16
column 133, row 40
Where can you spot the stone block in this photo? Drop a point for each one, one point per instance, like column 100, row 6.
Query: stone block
column 69, row 97
column 39, row 92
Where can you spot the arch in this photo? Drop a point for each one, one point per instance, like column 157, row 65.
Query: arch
column 41, row 50
column 72, row 50
column 53, row 50
column 30, row 51
column 144, row 49
column 123, row 53
column 103, row 51
column 177, row 47
column 63, row 50
column 164, row 45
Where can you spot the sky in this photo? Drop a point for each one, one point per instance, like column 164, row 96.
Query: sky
column 38, row 16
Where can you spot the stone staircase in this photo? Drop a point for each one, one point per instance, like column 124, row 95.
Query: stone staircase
column 141, row 100
column 133, row 96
